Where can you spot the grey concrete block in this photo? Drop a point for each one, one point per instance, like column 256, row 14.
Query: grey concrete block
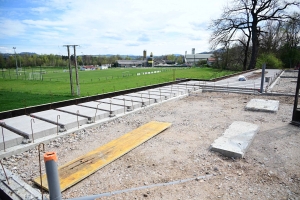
column 129, row 98
column 10, row 139
column 65, row 120
column 85, row 112
column 23, row 124
column 130, row 105
column 111, row 108
column 146, row 98
column 164, row 96
column 262, row 105
column 236, row 139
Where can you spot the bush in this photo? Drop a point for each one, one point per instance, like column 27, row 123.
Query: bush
column 270, row 59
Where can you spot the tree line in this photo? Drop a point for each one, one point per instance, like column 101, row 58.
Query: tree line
column 252, row 32
column 35, row 60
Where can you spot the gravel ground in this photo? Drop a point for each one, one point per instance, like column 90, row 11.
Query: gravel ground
column 270, row 169
column 285, row 85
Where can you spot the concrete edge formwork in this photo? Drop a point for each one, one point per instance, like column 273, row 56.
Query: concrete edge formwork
column 24, row 147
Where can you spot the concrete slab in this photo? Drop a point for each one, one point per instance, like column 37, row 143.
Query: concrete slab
column 236, row 139
column 129, row 98
column 164, row 96
column 130, row 105
column 111, row 108
column 151, row 100
column 262, row 105
column 88, row 113
column 10, row 139
column 65, row 120
column 22, row 126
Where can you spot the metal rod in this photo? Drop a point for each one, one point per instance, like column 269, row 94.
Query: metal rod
column 58, row 117
column 4, row 172
column 77, row 118
column 32, row 120
column 39, row 148
column 124, row 105
column 132, row 104
column 96, row 112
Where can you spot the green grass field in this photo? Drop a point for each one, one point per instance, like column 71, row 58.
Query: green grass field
column 28, row 89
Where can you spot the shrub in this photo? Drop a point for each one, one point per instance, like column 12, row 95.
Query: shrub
column 270, row 60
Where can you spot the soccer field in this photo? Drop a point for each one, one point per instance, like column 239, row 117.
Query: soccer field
column 44, row 85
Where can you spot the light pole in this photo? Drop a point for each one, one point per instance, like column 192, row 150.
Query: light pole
column 16, row 61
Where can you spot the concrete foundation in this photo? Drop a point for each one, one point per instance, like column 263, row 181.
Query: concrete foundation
column 89, row 113
column 262, row 105
column 22, row 126
column 111, row 108
column 10, row 139
column 172, row 93
column 181, row 91
column 65, row 120
column 236, row 139
column 130, row 105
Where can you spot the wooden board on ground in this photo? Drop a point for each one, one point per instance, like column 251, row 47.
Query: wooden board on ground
column 80, row 168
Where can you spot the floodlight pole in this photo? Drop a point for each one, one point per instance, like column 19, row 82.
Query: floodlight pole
column 16, row 61
column 70, row 69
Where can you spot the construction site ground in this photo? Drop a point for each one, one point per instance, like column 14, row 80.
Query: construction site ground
column 269, row 170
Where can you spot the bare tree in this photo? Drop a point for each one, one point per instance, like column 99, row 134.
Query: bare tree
column 247, row 16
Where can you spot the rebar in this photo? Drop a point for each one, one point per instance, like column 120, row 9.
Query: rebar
column 77, row 118
column 96, row 112
column 39, row 148
column 32, row 120
column 58, row 117
column 2, row 123
column 4, row 172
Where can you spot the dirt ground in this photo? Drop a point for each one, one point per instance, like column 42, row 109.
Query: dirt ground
column 270, row 169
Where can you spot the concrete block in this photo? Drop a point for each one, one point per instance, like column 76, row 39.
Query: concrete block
column 111, row 108
column 65, row 120
column 236, row 139
column 262, row 105
column 129, row 98
column 177, row 89
column 150, row 100
column 22, row 125
column 164, row 96
column 130, row 105
column 10, row 139
column 172, row 93
column 86, row 112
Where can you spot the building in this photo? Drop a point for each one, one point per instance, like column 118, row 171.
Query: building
column 88, row 67
column 131, row 63
column 194, row 58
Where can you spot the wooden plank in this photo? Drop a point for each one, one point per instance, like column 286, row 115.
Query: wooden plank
column 78, row 169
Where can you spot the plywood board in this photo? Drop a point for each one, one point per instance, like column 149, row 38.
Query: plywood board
column 80, row 168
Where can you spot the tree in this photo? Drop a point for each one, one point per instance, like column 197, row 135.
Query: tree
column 249, row 17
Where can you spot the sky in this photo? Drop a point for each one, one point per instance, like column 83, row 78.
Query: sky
column 125, row 27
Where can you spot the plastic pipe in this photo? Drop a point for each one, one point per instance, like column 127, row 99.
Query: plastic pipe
column 50, row 160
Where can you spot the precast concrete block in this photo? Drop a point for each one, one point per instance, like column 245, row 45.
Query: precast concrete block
column 132, row 98
column 10, row 138
column 65, row 120
column 22, row 126
column 130, row 105
column 172, row 93
column 86, row 112
column 164, row 96
column 151, row 100
column 262, row 105
column 236, row 139
column 111, row 108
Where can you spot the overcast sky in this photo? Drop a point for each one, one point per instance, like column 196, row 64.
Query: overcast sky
column 107, row 26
